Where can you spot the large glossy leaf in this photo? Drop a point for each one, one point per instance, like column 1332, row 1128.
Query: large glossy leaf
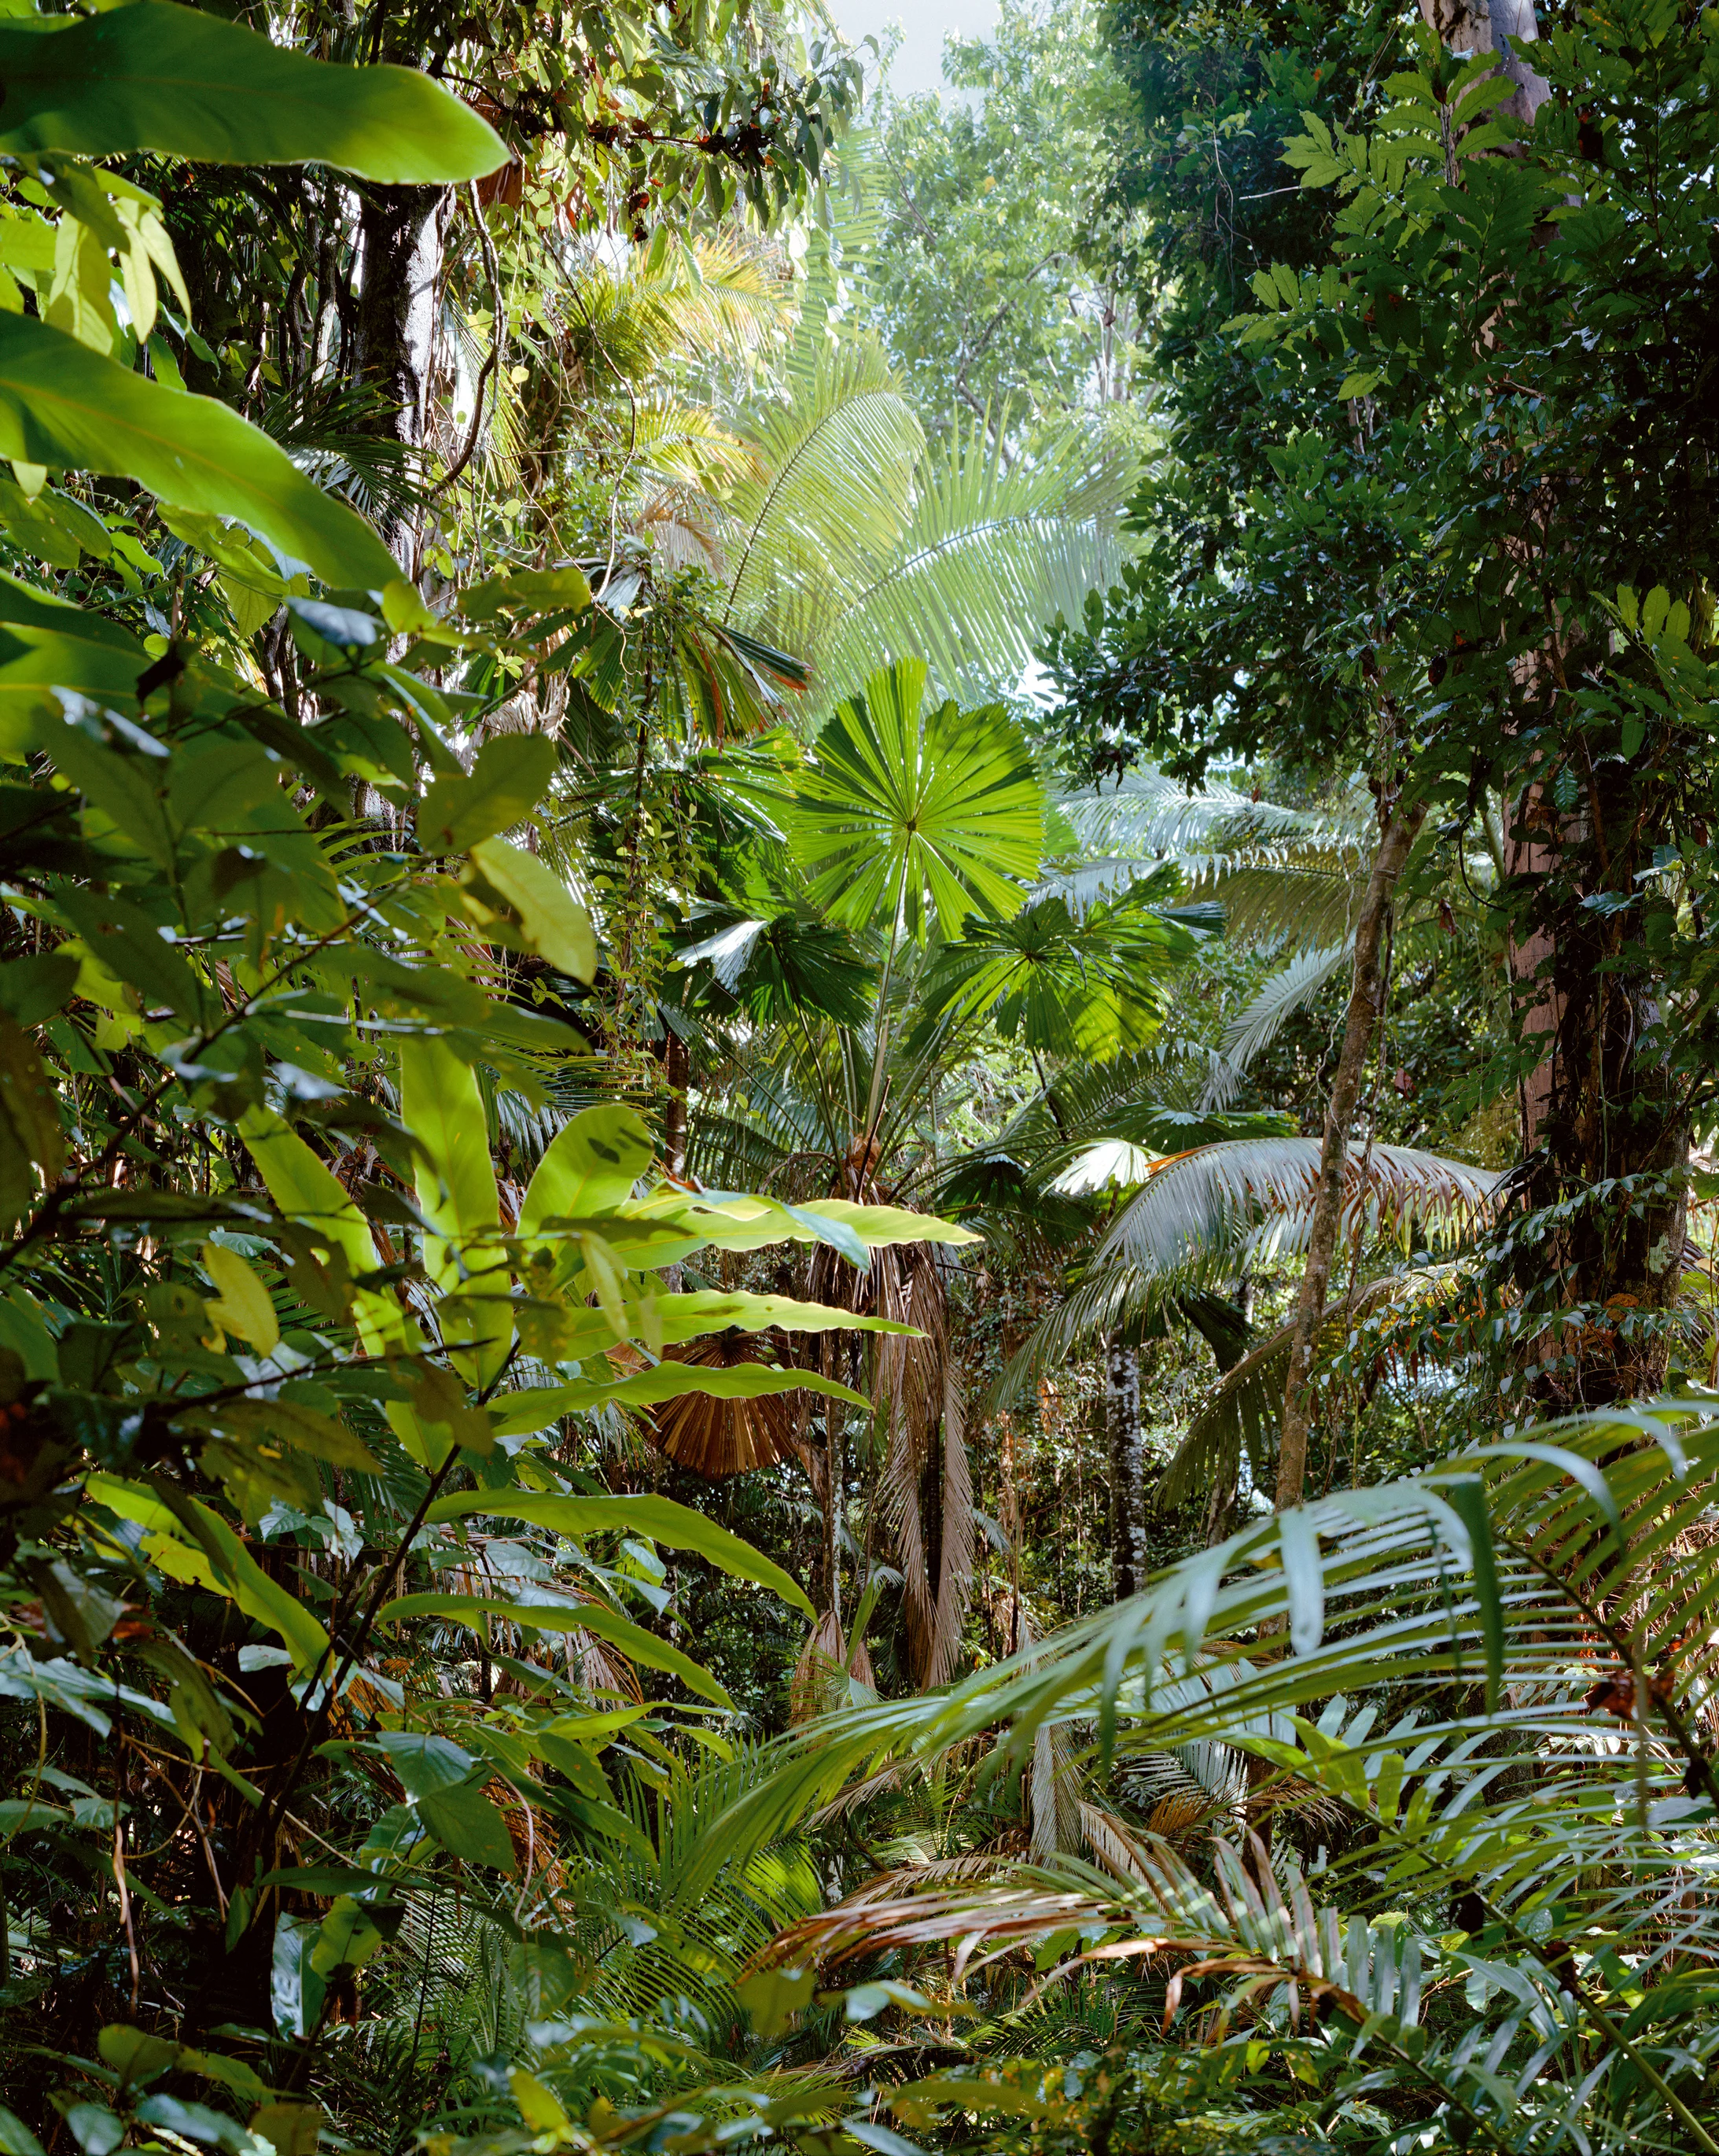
column 907, row 812
column 187, row 84
column 189, row 1542
column 442, row 1107
column 521, row 1413
column 66, row 407
column 660, row 1518
column 589, row 1169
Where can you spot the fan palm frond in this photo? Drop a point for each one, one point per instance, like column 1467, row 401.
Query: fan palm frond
column 990, row 553
column 715, row 1438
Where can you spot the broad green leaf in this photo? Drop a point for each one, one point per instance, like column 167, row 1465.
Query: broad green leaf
column 306, row 1191
column 455, row 1181
column 188, row 84
column 559, row 930
column 35, row 987
column 659, row 1518
column 29, row 1118
column 134, row 2055
column 442, row 1107
column 424, row 1763
column 538, row 2106
column 296, row 1991
column 521, row 1413
column 633, row 1641
column 292, row 1428
column 348, row 1939
column 773, row 1997
column 191, row 1542
column 1299, row 1543
column 16, row 2139
column 245, row 1307
column 668, row 1321
column 43, row 658
column 589, row 1169
column 66, row 407
column 510, row 777
column 468, row 1824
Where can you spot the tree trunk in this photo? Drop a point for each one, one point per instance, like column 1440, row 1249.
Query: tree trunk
column 1398, row 835
column 1127, row 1449
column 1475, row 26
column 1596, row 1107
column 1608, row 1124
column 401, row 234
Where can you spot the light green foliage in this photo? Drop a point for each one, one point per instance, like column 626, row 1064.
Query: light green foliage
column 971, row 255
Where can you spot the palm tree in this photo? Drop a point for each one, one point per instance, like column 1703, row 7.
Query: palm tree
column 919, row 831
column 1507, row 1659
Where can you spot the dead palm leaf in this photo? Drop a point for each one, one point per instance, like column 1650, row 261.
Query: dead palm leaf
column 718, row 1437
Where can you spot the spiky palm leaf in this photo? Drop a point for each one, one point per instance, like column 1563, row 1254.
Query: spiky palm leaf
column 1254, row 1029
column 1538, row 1614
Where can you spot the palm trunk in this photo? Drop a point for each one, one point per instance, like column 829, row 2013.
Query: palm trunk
column 1127, row 1448
column 1365, row 995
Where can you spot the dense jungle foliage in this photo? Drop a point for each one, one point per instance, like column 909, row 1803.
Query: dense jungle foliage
column 859, row 1002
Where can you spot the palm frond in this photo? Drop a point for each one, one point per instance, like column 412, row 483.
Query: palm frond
column 1254, row 1029
column 1199, row 1200
column 990, row 553
column 1147, row 816
column 833, row 488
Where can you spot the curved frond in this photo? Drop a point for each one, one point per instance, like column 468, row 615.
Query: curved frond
column 1199, row 1199
column 1254, row 1029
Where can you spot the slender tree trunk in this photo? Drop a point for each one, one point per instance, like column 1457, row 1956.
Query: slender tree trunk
column 1398, row 835
column 1127, row 1448
column 400, row 232
column 676, row 1075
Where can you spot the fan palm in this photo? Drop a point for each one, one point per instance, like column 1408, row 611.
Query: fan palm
column 919, row 830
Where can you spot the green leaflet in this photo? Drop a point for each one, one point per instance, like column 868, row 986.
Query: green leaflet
column 633, row 1641
column 189, row 85
column 66, row 407
column 660, row 1518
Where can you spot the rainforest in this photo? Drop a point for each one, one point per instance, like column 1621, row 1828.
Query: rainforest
column 859, row 1038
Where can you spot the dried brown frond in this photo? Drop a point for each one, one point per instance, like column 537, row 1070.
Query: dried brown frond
column 714, row 1438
